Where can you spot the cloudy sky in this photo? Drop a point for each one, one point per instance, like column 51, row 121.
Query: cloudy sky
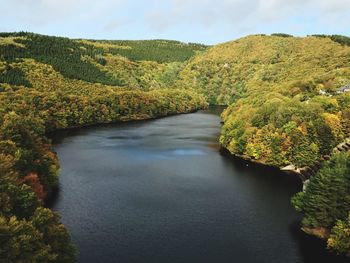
column 205, row 21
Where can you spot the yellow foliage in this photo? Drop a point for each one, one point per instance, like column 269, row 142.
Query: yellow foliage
column 334, row 122
column 103, row 45
column 11, row 41
column 262, row 64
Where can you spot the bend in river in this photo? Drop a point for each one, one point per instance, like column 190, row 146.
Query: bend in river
column 159, row 191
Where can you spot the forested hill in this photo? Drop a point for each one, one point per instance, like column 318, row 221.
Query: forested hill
column 262, row 64
column 117, row 63
column 51, row 83
column 286, row 107
column 282, row 86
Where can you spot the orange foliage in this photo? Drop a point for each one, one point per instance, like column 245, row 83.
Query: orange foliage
column 33, row 181
column 303, row 128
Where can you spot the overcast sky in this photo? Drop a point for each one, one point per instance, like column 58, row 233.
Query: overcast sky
column 204, row 21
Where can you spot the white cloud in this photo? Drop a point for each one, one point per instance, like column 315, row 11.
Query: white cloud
column 242, row 13
column 334, row 6
column 48, row 11
column 197, row 20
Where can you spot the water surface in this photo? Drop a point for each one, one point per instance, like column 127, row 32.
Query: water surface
column 159, row 191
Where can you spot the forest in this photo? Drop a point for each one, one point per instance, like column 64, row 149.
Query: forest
column 84, row 59
column 286, row 90
column 326, row 203
column 283, row 109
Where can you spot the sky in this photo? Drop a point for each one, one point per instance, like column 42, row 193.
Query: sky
column 201, row 21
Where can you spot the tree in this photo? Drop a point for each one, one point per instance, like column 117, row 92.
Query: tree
column 54, row 234
column 17, row 199
column 326, row 198
column 20, row 241
column 339, row 239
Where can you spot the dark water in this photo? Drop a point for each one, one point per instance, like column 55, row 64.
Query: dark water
column 159, row 191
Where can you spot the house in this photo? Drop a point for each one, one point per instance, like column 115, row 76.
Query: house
column 343, row 89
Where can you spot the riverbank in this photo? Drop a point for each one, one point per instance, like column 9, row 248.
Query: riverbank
column 304, row 173
column 323, row 195
column 307, row 172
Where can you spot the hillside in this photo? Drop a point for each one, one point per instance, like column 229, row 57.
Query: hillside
column 51, row 83
column 284, row 110
column 263, row 64
column 279, row 85
column 118, row 63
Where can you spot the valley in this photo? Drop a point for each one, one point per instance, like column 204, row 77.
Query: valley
column 284, row 106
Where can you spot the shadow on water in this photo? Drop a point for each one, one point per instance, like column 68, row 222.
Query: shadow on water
column 266, row 174
column 53, row 198
column 311, row 248
column 314, row 249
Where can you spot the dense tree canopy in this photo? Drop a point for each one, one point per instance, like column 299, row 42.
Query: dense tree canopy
column 285, row 89
column 86, row 59
column 325, row 203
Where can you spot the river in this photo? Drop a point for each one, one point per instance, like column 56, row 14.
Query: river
column 160, row 191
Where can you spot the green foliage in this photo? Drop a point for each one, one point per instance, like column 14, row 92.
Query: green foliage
column 264, row 64
column 55, row 234
column 161, row 51
column 62, row 53
column 41, row 239
column 271, row 83
column 30, row 154
column 327, row 196
column 20, row 241
column 339, row 239
column 85, row 59
column 282, row 131
column 325, row 202
column 16, row 199
column 344, row 40
column 13, row 76
column 281, row 35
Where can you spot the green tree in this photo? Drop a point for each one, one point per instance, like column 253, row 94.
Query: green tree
column 339, row 239
column 327, row 196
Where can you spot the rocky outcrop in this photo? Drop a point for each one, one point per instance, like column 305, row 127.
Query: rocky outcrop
column 319, row 232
